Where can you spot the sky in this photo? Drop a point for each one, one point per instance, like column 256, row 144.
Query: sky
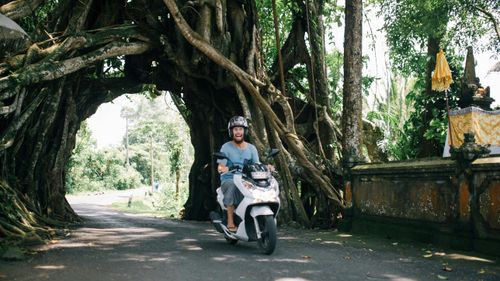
column 106, row 125
column 108, row 128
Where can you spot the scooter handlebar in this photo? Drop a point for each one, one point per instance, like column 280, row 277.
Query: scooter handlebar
column 233, row 169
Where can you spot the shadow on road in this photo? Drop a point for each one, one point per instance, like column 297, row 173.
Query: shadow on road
column 112, row 245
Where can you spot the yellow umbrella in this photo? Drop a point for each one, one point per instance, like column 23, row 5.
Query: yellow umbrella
column 441, row 81
column 441, row 78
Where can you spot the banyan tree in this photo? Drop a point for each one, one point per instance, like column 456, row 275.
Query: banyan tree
column 206, row 53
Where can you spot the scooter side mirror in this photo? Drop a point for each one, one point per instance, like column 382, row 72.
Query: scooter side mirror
column 220, row 155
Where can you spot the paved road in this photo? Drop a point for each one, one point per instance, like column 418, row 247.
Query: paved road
column 112, row 245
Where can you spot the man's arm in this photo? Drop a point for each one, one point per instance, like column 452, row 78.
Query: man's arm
column 255, row 155
column 222, row 167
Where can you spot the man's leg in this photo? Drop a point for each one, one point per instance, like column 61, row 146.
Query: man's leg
column 230, row 217
column 231, row 198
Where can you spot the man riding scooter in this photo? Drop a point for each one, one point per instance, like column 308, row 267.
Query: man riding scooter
column 237, row 151
column 249, row 192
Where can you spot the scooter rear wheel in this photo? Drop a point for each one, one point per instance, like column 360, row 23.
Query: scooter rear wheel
column 268, row 237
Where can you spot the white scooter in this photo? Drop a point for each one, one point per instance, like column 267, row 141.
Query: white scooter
column 255, row 216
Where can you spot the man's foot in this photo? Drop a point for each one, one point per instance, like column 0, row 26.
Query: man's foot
column 232, row 229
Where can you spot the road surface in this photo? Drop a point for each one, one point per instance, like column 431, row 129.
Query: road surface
column 112, row 245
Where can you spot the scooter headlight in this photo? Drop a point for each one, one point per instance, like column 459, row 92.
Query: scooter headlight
column 264, row 196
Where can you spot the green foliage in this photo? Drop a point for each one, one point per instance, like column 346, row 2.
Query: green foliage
column 91, row 169
column 155, row 127
column 366, row 83
column 114, row 67
column 400, row 115
column 409, row 26
column 30, row 23
column 154, row 130
column 333, row 16
column 167, row 202
column 297, row 83
column 469, row 23
column 335, row 63
column 390, row 115
column 164, row 203
column 175, row 156
column 285, row 11
column 436, row 105
column 116, row 175
column 402, row 118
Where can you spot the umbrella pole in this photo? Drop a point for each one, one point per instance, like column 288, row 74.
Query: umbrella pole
column 449, row 119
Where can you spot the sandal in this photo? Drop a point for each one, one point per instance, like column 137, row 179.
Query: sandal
column 232, row 229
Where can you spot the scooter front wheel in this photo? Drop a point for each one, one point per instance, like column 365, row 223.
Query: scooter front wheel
column 268, row 236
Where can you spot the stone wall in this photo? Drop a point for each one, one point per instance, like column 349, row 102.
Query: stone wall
column 430, row 200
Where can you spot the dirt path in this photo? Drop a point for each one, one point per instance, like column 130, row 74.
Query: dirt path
column 111, row 245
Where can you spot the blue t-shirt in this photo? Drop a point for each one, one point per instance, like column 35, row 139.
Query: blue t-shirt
column 237, row 156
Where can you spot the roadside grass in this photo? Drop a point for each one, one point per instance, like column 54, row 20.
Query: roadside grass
column 163, row 204
column 138, row 206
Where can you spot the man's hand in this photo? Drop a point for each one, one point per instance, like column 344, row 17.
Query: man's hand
column 270, row 168
column 222, row 168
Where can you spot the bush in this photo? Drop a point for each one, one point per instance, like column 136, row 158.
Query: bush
column 124, row 178
column 166, row 201
column 76, row 184
column 91, row 169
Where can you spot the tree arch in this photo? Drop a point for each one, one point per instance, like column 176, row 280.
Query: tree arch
column 206, row 53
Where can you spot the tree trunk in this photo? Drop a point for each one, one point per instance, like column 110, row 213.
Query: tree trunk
column 427, row 147
column 52, row 94
column 319, row 80
column 202, row 178
column 352, row 92
column 177, row 180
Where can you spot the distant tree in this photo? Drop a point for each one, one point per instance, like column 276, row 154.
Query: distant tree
column 154, row 121
column 416, row 30
column 352, row 91
column 93, row 169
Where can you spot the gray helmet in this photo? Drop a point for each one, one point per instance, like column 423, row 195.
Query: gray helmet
column 237, row 121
